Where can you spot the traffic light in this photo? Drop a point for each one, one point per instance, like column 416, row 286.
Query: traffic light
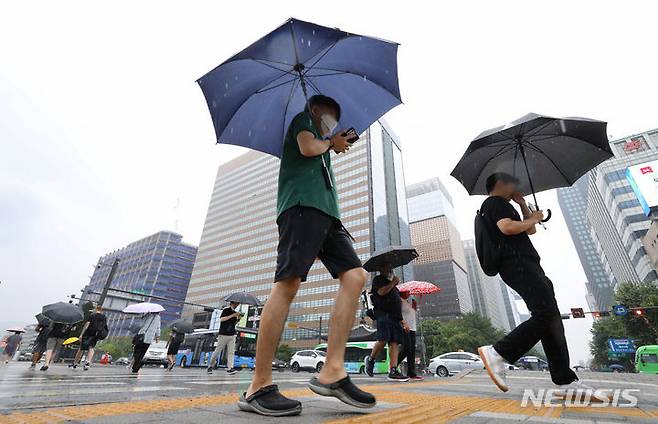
column 577, row 313
column 599, row 314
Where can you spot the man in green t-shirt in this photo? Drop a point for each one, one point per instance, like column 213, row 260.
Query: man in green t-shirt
column 309, row 228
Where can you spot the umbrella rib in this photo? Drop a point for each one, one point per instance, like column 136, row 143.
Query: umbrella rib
column 312, row 84
column 362, row 76
column 498, row 153
column 539, row 128
column 327, row 50
column 263, row 90
column 537, row 149
column 285, row 110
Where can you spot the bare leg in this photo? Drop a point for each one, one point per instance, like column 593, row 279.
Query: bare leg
column 49, row 357
column 90, row 354
column 78, row 357
column 342, row 320
column 272, row 320
column 377, row 348
column 393, row 354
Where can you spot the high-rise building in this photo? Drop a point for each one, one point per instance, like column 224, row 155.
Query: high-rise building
column 442, row 259
column 486, row 292
column 238, row 244
column 156, row 268
column 600, row 281
column 616, row 217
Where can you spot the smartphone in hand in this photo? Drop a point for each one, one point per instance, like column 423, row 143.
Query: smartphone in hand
column 351, row 135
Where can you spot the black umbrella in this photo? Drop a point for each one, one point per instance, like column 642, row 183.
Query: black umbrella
column 394, row 255
column 182, row 326
column 42, row 320
column 65, row 313
column 542, row 152
column 244, row 298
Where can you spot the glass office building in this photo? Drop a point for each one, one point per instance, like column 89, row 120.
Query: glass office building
column 237, row 251
column 615, row 215
column 437, row 240
column 159, row 265
column 600, row 281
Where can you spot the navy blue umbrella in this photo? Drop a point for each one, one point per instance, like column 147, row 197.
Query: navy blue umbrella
column 254, row 95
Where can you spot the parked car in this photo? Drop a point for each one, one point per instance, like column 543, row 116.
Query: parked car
column 310, row 360
column 452, row 363
column 278, row 364
column 124, row 360
column 511, row 367
column 156, row 354
column 532, row 363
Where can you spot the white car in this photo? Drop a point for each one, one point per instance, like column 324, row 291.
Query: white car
column 156, row 354
column 311, row 360
column 454, row 362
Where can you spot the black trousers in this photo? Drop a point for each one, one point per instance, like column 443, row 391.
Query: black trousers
column 526, row 276
column 409, row 352
column 138, row 355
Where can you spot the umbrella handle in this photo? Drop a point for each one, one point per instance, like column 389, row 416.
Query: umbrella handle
column 548, row 215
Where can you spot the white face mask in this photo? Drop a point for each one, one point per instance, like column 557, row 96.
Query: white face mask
column 329, row 124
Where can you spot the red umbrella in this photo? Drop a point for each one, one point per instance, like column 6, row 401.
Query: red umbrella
column 418, row 288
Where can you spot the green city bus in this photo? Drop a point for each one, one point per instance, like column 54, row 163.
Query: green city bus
column 646, row 359
column 355, row 352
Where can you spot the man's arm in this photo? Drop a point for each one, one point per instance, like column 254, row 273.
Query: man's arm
column 383, row 291
column 525, row 210
column 310, row 146
column 510, row 227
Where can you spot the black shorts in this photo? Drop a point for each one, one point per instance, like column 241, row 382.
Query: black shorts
column 173, row 347
column 308, row 233
column 389, row 330
column 88, row 343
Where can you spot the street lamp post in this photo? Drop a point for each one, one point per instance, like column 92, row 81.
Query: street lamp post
column 108, row 281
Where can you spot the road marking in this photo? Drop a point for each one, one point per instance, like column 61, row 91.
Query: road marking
column 136, row 389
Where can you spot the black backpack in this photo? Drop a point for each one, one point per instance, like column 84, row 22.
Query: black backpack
column 488, row 247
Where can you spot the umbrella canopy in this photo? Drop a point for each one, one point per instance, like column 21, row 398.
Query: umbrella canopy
column 542, row 152
column 42, row 320
column 16, row 330
column 143, row 308
column 64, row 313
column 254, row 95
column 418, row 288
column 182, row 326
column 70, row 340
column 394, row 255
column 244, row 298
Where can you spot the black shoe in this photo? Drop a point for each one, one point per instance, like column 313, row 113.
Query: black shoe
column 370, row 366
column 344, row 390
column 231, row 371
column 44, row 368
column 209, row 370
column 395, row 375
column 270, row 402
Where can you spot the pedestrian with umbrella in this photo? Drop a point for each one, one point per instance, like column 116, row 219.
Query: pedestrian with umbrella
column 285, row 95
column 61, row 316
column 536, row 153
column 148, row 332
column 410, row 311
column 12, row 343
column 226, row 337
column 94, row 330
column 179, row 328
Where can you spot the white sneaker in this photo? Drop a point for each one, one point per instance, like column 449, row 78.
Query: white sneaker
column 495, row 365
column 578, row 391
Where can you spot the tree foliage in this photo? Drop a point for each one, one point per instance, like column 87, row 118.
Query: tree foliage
column 466, row 333
column 642, row 329
column 116, row 346
column 284, row 352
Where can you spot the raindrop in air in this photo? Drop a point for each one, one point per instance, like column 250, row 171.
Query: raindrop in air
column 249, row 135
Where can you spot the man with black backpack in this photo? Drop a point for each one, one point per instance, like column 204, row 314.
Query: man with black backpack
column 94, row 330
column 504, row 246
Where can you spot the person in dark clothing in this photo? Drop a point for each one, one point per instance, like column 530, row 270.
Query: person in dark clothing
column 175, row 340
column 409, row 341
column 388, row 313
column 94, row 330
column 520, row 269
column 147, row 334
column 13, row 343
column 226, row 338
column 39, row 346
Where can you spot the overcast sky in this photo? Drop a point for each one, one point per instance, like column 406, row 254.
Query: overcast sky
column 102, row 127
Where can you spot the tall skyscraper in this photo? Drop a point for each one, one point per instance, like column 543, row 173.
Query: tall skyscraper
column 238, row 244
column 486, row 292
column 442, row 260
column 158, row 265
column 616, row 217
column 600, row 281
